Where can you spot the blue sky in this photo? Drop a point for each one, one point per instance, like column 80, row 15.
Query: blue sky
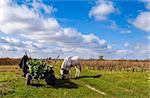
column 87, row 28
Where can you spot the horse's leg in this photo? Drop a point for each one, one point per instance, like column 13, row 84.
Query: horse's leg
column 69, row 73
column 77, row 71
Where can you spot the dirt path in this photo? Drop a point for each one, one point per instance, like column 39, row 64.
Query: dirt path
column 96, row 90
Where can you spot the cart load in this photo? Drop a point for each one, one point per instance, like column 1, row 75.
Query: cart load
column 37, row 69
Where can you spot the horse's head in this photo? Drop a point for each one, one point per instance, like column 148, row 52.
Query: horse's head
column 64, row 73
column 65, row 67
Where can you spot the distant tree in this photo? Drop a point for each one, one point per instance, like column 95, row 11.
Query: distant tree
column 101, row 57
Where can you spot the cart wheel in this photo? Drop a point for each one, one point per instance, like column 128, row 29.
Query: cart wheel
column 28, row 79
column 51, row 80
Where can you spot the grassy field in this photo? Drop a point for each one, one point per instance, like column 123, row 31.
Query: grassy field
column 91, row 84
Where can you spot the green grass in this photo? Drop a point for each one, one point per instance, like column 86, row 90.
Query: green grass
column 114, row 84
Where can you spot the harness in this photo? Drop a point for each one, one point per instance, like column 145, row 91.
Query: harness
column 65, row 71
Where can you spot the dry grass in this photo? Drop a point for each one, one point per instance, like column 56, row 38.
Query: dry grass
column 8, row 68
column 111, row 65
column 9, row 61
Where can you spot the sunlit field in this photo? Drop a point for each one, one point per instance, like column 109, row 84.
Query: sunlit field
column 94, row 82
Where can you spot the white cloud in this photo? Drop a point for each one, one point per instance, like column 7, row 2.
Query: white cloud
column 39, row 33
column 147, row 3
column 102, row 10
column 38, row 6
column 126, row 44
column 113, row 25
column 125, row 32
column 7, row 48
column 147, row 37
column 142, row 21
column 143, row 49
column 122, row 52
column 8, row 40
column 135, row 51
column 12, row 44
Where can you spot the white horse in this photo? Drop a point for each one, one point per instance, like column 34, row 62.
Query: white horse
column 67, row 64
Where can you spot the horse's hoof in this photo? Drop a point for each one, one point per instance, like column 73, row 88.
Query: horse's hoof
column 62, row 77
column 76, row 77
